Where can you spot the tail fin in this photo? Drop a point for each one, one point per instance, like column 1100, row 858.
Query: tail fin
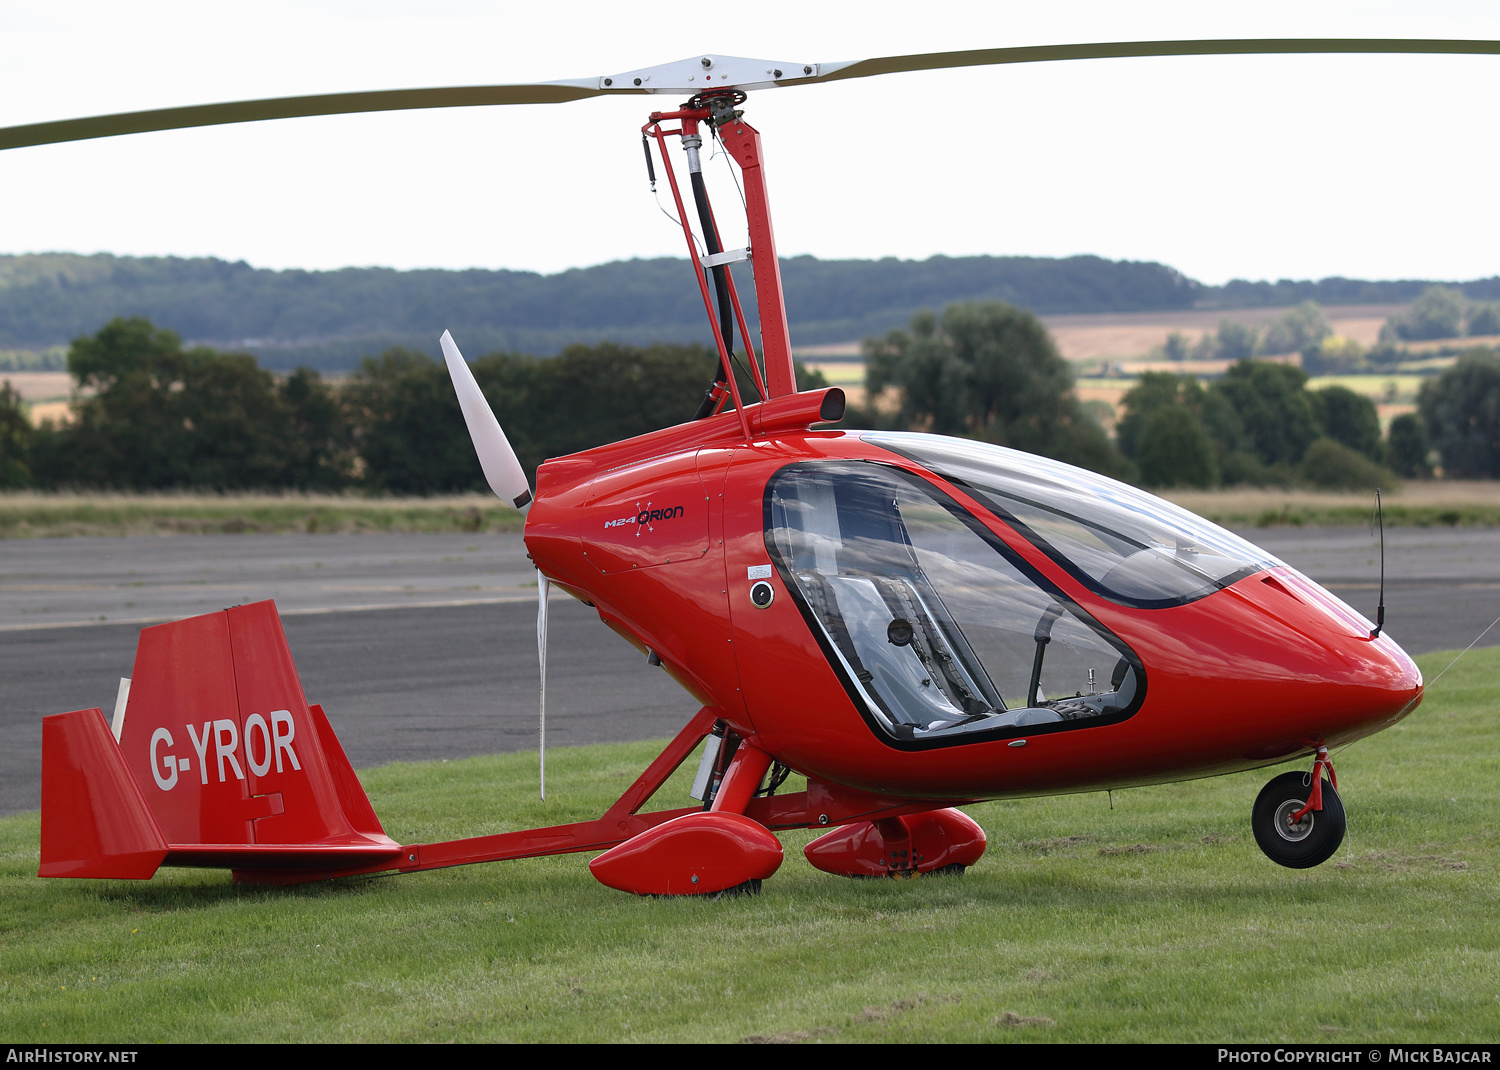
column 234, row 767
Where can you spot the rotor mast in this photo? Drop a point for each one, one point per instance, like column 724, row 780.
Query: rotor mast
column 742, row 141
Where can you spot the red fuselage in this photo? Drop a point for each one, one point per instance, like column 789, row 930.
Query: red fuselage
column 663, row 534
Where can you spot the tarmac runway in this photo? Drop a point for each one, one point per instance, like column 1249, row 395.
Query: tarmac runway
column 424, row 646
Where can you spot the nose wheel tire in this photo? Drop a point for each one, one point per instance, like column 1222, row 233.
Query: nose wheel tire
column 1311, row 841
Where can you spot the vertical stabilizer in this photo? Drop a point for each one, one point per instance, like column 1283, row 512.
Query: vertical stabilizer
column 222, row 742
column 220, row 762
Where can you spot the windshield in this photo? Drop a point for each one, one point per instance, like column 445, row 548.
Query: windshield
column 941, row 633
column 1129, row 546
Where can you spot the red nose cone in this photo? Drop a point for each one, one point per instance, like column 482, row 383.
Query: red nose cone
column 1362, row 685
column 1400, row 680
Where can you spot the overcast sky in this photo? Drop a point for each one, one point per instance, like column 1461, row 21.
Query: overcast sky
column 1257, row 167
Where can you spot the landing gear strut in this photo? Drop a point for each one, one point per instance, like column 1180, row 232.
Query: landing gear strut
column 1298, row 818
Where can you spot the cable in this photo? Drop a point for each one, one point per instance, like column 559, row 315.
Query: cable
column 675, row 221
column 1454, row 662
column 736, row 178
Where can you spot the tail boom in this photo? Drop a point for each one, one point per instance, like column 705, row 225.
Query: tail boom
column 222, row 763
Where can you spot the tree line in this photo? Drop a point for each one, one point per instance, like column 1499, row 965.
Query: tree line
column 330, row 319
column 1261, row 425
column 1438, row 313
column 151, row 414
column 1242, row 293
column 1442, row 312
column 990, row 371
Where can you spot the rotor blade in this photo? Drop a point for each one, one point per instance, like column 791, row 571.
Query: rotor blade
column 250, row 111
column 753, row 76
column 504, row 473
column 981, row 57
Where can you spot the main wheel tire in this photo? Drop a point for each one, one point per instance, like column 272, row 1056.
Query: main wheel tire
column 1310, row 842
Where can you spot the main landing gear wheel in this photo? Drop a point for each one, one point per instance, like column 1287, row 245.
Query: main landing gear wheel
column 1311, row 841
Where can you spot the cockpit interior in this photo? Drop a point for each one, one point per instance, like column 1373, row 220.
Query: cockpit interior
column 941, row 632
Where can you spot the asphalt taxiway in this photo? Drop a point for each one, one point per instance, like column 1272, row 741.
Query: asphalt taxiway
column 424, row 646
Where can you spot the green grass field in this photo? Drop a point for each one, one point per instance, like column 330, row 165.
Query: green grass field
column 1417, row 503
column 26, row 514
column 1396, row 387
column 1156, row 920
column 31, row 515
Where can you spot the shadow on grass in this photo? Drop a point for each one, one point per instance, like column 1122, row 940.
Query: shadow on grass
column 189, row 889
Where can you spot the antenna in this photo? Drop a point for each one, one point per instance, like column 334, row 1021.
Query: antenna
column 1379, row 518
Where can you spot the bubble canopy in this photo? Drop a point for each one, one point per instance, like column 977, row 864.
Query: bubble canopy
column 940, row 632
column 1128, row 546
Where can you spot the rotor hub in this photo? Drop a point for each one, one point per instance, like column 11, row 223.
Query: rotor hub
column 721, row 104
column 704, row 73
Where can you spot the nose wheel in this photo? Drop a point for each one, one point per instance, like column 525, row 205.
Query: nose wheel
column 1289, row 830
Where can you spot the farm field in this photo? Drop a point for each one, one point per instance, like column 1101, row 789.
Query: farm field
column 39, row 386
column 1124, row 340
column 1090, row 341
column 1393, row 394
column 1148, row 917
column 1116, row 336
column 847, row 372
column 46, row 393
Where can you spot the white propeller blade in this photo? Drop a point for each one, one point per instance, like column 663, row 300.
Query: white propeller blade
column 542, row 584
column 508, row 480
column 506, row 477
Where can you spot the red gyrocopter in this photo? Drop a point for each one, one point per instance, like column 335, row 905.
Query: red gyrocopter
column 911, row 622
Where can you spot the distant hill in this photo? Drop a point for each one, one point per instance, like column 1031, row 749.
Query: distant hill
column 1238, row 293
column 329, row 319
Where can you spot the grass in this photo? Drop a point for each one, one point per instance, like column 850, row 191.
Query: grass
column 1155, row 920
column 26, row 515
column 1419, row 503
column 29, row 515
column 1395, row 387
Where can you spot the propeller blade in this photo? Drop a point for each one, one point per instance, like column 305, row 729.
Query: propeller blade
column 506, row 477
column 542, row 586
column 693, row 75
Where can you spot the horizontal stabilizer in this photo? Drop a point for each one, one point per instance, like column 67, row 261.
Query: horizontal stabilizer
column 95, row 822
